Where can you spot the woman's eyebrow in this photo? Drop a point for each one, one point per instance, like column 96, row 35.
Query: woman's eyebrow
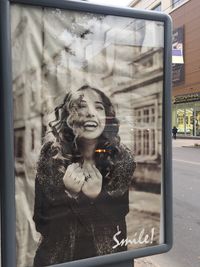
column 99, row 102
column 96, row 102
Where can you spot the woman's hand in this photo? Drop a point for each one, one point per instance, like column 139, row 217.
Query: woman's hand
column 93, row 181
column 74, row 178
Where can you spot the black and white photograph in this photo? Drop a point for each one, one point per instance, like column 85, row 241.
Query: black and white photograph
column 88, row 101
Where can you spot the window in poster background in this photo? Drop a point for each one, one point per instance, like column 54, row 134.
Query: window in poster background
column 91, row 71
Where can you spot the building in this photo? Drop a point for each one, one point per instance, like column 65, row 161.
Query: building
column 186, row 74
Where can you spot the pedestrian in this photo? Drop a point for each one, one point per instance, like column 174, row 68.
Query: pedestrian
column 82, row 181
column 174, row 132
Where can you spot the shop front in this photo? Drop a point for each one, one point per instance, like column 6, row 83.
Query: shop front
column 186, row 115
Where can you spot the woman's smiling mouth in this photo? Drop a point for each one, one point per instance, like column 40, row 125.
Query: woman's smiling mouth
column 90, row 125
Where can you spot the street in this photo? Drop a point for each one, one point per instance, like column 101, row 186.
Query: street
column 186, row 205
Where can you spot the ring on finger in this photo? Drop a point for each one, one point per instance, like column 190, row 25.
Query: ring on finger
column 87, row 177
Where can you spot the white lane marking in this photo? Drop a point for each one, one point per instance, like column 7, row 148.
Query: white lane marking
column 185, row 161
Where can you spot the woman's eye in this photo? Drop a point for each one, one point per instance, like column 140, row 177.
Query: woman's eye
column 99, row 107
column 82, row 105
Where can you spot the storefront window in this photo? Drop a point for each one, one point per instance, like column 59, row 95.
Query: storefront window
column 180, row 120
column 197, row 122
column 186, row 117
column 189, row 121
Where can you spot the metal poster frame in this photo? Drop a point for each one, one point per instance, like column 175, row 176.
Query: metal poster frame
column 8, row 231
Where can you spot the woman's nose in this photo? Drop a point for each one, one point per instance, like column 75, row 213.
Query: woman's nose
column 90, row 112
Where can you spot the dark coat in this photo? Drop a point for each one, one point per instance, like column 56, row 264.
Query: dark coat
column 174, row 130
column 78, row 228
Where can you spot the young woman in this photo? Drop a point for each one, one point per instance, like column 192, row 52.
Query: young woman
column 82, row 181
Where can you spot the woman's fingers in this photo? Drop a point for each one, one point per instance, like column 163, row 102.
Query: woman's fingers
column 92, row 187
column 78, row 174
column 86, row 173
column 80, row 179
column 71, row 168
column 75, row 172
column 97, row 172
column 74, row 178
column 91, row 171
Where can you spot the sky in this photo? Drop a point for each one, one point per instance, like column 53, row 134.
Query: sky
column 111, row 2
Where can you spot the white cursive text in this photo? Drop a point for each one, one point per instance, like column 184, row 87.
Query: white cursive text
column 138, row 238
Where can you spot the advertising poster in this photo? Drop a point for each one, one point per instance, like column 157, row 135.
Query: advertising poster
column 88, row 100
column 178, row 67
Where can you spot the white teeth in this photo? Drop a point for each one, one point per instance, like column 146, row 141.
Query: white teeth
column 90, row 124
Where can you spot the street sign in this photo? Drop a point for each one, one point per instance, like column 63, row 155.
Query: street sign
column 86, row 139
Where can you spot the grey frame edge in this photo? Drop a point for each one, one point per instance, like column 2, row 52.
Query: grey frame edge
column 6, row 142
column 8, row 197
column 168, row 192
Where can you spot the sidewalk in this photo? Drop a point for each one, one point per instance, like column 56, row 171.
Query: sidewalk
column 185, row 142
column 145, row 262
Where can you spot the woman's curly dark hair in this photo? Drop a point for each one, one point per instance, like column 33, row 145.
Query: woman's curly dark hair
column 66, row 144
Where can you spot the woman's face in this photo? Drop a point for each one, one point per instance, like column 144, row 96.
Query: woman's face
column 91, row 115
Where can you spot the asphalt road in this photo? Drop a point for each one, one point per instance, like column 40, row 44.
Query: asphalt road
column 186, row 204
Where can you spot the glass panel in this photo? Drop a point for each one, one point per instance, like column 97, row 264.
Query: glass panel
column 55, row 52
